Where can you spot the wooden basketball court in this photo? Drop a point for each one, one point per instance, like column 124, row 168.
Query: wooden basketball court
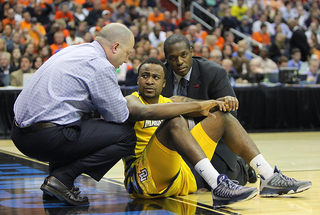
column 296, row 154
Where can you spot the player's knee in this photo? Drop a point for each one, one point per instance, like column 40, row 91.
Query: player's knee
column 177, row 124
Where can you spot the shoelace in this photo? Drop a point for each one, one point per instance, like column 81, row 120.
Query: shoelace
column 287, row 178
column 232, row 185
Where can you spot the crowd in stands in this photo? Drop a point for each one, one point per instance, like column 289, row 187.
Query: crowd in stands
column 33, row 30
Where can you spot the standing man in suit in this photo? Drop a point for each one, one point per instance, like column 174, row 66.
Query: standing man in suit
column 207, row 80
column 299, row 40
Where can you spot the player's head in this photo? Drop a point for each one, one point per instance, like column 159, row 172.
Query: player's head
column 151, row 79
column 178, row 53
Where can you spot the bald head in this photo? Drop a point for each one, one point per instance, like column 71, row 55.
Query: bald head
column 117, row 41
column 114, row 32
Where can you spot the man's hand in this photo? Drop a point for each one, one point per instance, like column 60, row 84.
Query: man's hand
column 207, row 106
column 232, row 103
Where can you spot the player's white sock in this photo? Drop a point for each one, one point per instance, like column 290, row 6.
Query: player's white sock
column 261, row 166
column 207, row 171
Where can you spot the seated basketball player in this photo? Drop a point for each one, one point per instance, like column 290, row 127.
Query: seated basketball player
column 157, row 168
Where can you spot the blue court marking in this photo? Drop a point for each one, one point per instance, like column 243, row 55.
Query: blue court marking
column 20, row 193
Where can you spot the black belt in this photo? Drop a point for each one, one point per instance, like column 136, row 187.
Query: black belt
column 34, row 127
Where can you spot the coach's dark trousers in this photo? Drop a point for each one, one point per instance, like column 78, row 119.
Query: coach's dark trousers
column 90, row 146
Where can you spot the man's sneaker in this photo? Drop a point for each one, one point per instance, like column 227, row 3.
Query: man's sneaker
column 279, row 184
column 228, row 192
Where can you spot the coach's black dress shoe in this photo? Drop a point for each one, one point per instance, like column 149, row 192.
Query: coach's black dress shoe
column 48, row 197
column 54, row 187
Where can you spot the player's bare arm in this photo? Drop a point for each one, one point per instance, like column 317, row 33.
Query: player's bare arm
column 139, row 111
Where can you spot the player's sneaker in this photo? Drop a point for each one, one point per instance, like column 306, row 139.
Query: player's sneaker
column 279, row 184
column 228, row 192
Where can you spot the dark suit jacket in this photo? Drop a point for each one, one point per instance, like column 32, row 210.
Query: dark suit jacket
column 299, row 40
column 208, row 80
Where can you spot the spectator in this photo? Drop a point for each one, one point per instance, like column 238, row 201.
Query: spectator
column 88, row 6
column 87, row 38
column 256, row 26
column 266, row 63
column 245, row 26
column 211, row 41
column 187, row 18
column 134, row 29
column 16, row 77
column 194, row 36
column 229, row 21
column 16, row 27
column 5, row 6
column 3, row 45
column 132, row 74
column 227, row 51
column 313, row 28
column 285, row 30
column 282, row 62
column 37, row 62
column 313, row 76
column 295, row 58
column 78, row 14
column 36, row 30
column 134, row 14
column 220, row 40
column 157, row 36
column 45, row 52
column 41, row 13
column 58, row 42
column 72, row 39
column 216, row 56
column 64, row 13
column 63, row 27
column 94, row 30
column 144, row 9
column 43, row 42
column 26, row 22
column 205, row 52
column 7, row 34
column 25, row 37
column 15, row 43
column 227, row 64
column 278, row 48
column 5, row 69
column 153, row 53
column 121, row 14
column 29, row 51
column 240, row 62
column 166, row 24
column 255, row 73
column 95, row 13
column 15, row 59
column 262, row 36
column 82, row 29
column 229, row 40
column 174, row 18
column 197, row 49
column 10, row 18
column 299, row 40
column 242, row 44
column 156, row 16
column 106, row 15
column 238, row 10
column 18, row 16
column 286, row 10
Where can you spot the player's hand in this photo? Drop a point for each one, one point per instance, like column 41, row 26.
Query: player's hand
column 232, row 103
